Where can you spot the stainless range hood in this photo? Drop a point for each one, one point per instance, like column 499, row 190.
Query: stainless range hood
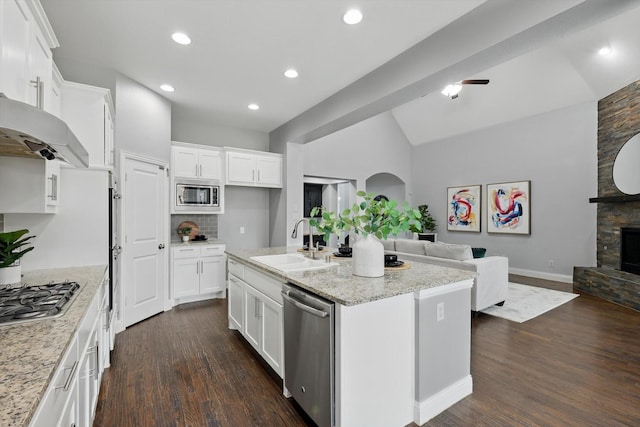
column 26, row 131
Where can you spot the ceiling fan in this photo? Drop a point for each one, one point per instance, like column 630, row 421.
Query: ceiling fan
column 452, row 90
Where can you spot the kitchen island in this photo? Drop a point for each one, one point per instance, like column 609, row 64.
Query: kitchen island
column 402, row 341
column 31, row 352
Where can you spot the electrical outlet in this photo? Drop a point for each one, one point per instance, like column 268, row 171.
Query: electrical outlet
column 241, row 230
column 552, row 263
column 440, row 311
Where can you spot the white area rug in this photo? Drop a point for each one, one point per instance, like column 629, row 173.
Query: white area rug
column 526, row 302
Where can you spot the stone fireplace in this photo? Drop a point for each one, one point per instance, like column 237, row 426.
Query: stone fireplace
column 618, row 121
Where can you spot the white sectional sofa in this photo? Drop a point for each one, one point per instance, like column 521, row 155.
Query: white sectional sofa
column 491, row 284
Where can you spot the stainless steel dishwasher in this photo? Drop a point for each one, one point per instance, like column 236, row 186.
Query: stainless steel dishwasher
column 309, row 353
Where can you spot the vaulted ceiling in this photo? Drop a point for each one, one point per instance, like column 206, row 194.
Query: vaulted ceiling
column 241, row 48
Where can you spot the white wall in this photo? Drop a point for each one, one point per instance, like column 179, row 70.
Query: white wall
column 355, row 153
column 244, row 206
column 78, row 234
column 143, row 120
column 557, row 151
column 186, row 127
column 358, row 152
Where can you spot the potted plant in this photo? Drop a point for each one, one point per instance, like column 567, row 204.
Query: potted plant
column 428, row 224
column 184, row 232
column 11, row 250
column 371, row 220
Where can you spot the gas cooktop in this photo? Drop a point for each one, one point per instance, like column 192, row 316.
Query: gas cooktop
column 34, row 302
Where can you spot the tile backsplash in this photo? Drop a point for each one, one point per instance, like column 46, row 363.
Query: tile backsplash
column 207, row 223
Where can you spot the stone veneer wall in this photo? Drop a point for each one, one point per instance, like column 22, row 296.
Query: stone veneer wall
column 618, row 121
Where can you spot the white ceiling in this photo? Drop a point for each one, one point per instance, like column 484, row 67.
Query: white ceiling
column 241, row 48
column 568, row 72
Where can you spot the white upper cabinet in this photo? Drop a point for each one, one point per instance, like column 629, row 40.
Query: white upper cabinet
column 35, row 185
column 254, row 168
column 26, row 40
column 202, row 163
column 54, row 97
column 88, row 111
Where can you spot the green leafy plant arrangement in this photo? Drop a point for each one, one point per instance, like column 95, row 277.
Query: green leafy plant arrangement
column 184, row 231
column 377, row 217
column 427, row 222
column 10, row 244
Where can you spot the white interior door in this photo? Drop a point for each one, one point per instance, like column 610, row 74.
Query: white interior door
column 145, row 209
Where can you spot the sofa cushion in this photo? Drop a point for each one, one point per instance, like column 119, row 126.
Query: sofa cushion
column 410, row 246
column 389, row 244
column 448, row 250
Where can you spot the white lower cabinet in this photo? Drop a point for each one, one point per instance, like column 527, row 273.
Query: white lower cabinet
column 60, row 399
column 69, row 417
column 255, row 309
column 236, row 303
column 272, row 330
column 72, row 395
column 197, row 272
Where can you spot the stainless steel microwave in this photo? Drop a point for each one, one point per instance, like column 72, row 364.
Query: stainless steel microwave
column 198, row 196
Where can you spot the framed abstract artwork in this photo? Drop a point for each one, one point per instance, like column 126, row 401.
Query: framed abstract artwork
column 464, row 207
column 509, row 207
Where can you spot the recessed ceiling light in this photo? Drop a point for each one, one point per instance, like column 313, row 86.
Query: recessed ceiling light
column 181, row 38
column 605, row 50
column 291, row 73
column 253, row 107
column 352, row 17
column 167, row 88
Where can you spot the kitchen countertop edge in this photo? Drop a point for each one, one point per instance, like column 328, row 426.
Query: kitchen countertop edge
column 339, row 285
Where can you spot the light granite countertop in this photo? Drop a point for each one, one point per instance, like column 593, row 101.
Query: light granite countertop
column 30, row 352
column 178, row 243
column 338, row 283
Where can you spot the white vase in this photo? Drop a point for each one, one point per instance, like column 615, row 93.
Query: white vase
column 368, row 257
column 9, row 275
column 185, row 238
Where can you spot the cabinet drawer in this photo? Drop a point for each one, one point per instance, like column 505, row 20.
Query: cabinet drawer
column 265, row 284
column 212, row 250
column 56, row 396
column 186, row 252
column 236, row 268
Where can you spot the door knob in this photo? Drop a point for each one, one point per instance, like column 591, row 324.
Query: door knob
column 161, row 246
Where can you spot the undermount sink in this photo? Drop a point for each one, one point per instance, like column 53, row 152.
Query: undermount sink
column 292, row 262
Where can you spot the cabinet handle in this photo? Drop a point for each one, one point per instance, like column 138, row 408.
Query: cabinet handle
column 39, row 85
column 257, row 307
column 97, row 371
column 200, row 170
column 67, row 382
column 54, row 187
column 258, row 175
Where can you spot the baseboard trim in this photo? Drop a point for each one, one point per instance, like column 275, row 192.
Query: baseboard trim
column 427, row 409
column 542, row 275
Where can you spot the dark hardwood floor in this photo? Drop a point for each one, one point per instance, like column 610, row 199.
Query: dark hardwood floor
column 577, row 365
